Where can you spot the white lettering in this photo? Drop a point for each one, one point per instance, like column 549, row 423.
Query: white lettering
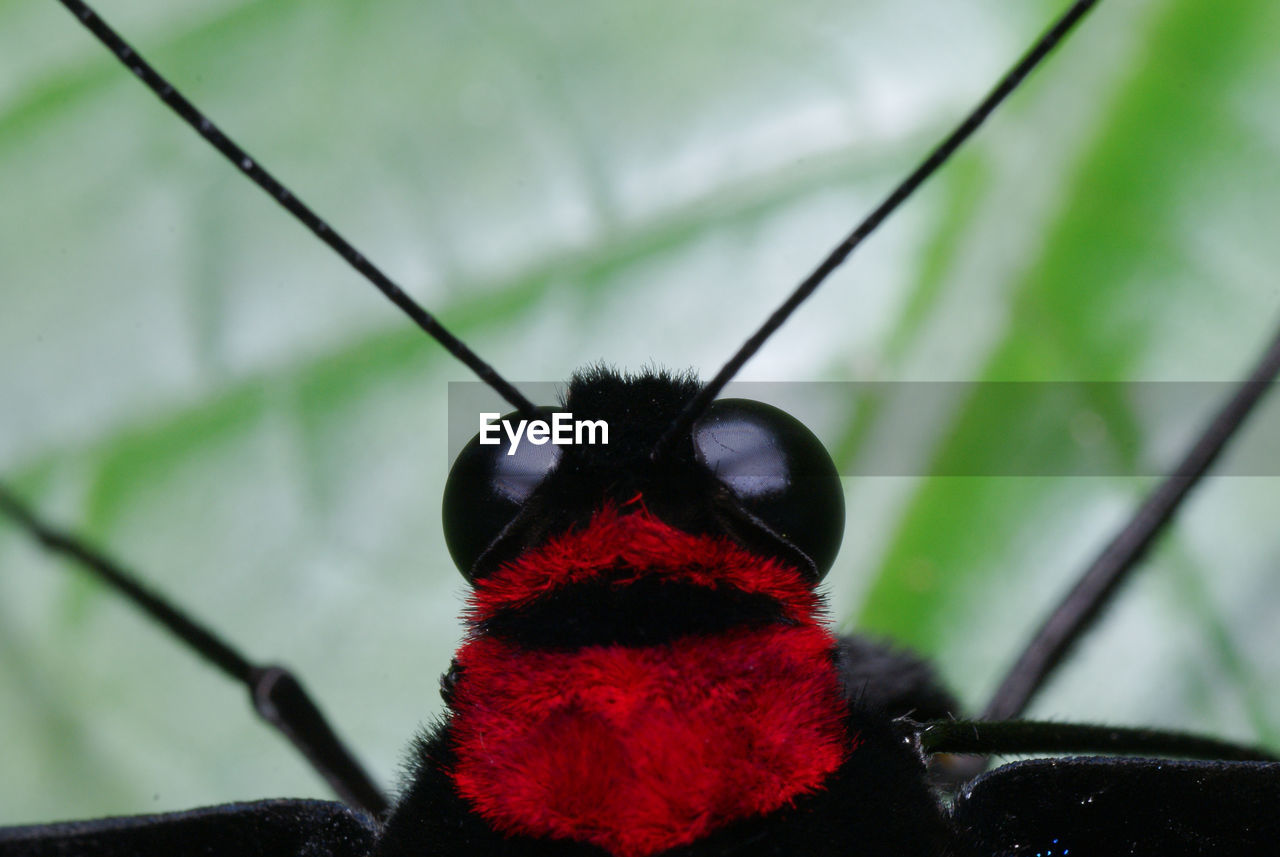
column 538, row 433
column 588, row 427
column 563, row 435
column 563, row 430
column 514, row 436
column 490, row 434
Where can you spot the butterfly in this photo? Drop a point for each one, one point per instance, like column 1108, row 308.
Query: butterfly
column 97, row 483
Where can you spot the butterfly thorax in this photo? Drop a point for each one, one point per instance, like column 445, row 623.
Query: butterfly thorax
column 638, row 739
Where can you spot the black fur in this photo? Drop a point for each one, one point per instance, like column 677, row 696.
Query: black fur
column 891, row 680
column 644, row 612
column 637, row 408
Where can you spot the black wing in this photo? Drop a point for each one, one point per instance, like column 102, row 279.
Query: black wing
column 269, row 828
column 1108, row 806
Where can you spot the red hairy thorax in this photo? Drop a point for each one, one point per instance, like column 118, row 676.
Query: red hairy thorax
column 638, row 749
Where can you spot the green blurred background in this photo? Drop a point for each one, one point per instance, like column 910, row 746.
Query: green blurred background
column 191, row 380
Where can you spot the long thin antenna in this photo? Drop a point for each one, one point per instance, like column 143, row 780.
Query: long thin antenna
column 1118, row 559
column 276, row 694
column 203, row 126
column 939, row 156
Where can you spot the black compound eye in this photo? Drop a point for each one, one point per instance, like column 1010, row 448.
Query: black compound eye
column 778, row 474
column 488, row 486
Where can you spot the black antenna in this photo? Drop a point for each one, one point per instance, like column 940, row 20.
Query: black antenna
column 939, row 156
column 203, row 126
column 277, row 696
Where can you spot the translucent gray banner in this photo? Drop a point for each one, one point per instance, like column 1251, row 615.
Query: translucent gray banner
column 978, row 429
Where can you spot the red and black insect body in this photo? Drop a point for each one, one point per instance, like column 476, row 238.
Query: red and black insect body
column 648, row 668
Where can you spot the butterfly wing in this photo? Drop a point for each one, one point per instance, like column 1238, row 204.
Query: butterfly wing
column 269, row 828
column 1139, row 807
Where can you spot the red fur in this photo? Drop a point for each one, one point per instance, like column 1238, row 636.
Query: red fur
column 640, row 545
column 641, row 749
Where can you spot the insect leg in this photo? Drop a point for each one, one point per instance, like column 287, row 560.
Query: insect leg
column 277, row 696
column 1027, row 737
column 1072, row 618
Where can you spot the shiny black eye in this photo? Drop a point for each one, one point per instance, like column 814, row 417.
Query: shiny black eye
column 777, row 472
column 488, row 486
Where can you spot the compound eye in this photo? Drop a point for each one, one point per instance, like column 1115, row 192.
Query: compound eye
column 777, row 472
column 488, row 486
